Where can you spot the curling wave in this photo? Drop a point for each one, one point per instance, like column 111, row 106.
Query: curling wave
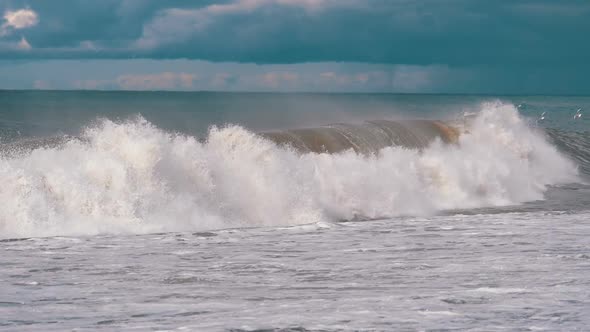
column 132, row 177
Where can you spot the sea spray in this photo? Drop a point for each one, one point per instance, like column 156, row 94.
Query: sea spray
column 132, row 177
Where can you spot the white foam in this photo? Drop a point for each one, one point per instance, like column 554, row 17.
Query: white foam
column 135, row 178
column 501, row 290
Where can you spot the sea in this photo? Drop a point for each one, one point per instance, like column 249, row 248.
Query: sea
column 205, row 211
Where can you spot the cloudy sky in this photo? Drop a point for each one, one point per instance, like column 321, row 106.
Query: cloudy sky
column 448, row 46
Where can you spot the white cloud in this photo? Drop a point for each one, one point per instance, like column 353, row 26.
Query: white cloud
column 23, row 44
column 239, row 6
column 17, row 20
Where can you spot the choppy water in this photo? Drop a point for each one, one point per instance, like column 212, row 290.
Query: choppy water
column 154, row 223
column 514, row 271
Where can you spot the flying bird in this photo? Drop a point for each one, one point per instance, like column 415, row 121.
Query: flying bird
column 542, row 116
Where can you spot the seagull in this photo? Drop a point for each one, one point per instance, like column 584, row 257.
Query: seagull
column 578, row 114
column 541, row 118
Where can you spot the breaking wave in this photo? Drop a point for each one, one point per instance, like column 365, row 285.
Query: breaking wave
column 132, row 177
column 369, row 137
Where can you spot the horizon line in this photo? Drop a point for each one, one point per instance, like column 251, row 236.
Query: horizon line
column 499, row 94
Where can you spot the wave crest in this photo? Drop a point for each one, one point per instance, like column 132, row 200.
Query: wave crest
column 132, row 177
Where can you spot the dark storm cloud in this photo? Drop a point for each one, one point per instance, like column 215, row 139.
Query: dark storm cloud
column 453, row 32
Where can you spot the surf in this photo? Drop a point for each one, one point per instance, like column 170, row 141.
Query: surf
column 368, row 137
column 131, row 177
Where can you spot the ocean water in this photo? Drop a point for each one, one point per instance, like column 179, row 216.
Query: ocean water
column 158, row 211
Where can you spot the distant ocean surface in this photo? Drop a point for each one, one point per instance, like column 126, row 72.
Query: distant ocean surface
column 175, row 211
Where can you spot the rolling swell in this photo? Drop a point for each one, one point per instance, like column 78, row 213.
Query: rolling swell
column 133, row 177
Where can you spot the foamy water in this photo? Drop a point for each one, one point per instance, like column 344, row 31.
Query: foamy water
column 500, row 272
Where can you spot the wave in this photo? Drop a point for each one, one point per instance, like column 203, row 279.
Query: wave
column 132, row 177
column 575, row 144
column 369, row 137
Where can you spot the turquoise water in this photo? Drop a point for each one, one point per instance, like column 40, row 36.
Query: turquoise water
column 47, row 112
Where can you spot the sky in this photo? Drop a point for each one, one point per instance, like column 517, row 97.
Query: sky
column 406, row 46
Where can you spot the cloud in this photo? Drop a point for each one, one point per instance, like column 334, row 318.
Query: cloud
column 223, row 80
column 140, row 82
column 93, row 84
column 41, row 85
column 17, row 20
column 16, row 45
column 279, row 79
column 23, row 44
column 177, row 25
column 336, row 78
column 466, row 33
column 161, row 81
column 373, row 80
column 107, row 74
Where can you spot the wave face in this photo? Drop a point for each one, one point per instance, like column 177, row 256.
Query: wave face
column 369, row 137
column 132, row 177
column 575, row 143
